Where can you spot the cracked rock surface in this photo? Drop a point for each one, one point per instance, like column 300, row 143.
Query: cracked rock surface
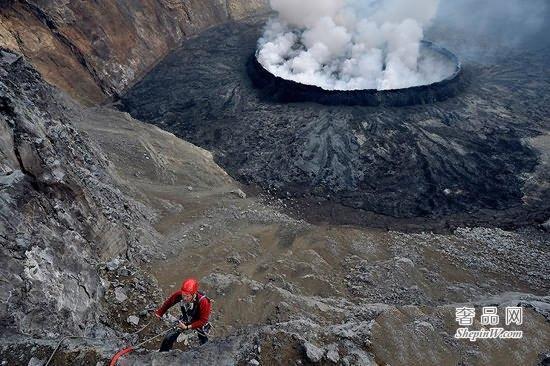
column 61, row 214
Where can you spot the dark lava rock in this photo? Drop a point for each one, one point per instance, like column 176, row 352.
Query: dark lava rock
column 464, row 159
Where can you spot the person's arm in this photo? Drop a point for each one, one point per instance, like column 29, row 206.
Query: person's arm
column 204, row 313
column 173, row 299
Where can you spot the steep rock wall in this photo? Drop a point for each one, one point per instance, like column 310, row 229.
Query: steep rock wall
column 61, row 213
column 94, row 50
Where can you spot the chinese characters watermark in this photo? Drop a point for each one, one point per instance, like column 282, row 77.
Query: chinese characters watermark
column 514, row 315
column 465, row 316
column 489, row 318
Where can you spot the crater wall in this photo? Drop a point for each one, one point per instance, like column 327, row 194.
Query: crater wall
column 94, row 50
column 286, row 91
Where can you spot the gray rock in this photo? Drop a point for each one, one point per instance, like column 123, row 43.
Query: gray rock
column 542, row 308
column 238, row 193
column 255, row 288
column 235, row 259
column 254, row 362
column 132, row 319
column 404, row 261
column 120, row 295
column 425, row 326
column 54, row 248
column 123, row 272
column 9, row 58
column 313, row 353
column 332, row 355
column 36, row 362
column 113, row 264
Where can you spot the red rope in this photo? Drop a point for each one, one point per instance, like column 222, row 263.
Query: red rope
column 119, row 354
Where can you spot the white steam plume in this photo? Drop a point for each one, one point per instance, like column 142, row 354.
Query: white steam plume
column 351, row 44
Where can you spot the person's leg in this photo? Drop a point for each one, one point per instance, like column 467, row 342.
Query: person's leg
column 203, row 333
column 169, row 340
column 203, row 338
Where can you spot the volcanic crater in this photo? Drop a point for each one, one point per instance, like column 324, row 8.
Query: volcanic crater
column 446, row 154
column 282, row 90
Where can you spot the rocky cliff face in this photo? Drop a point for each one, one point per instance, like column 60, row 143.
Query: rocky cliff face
column 94, row 50
column 60, row 212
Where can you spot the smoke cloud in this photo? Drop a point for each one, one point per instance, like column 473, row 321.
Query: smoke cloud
column 494, row 27
column 351, row 44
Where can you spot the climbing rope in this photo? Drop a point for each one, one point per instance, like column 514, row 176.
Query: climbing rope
column 146, row 325
column 82, row 337
column 124, row 350
column 59, row 345
column 129, row 349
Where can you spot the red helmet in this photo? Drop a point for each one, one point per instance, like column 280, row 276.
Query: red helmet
column 190, row 286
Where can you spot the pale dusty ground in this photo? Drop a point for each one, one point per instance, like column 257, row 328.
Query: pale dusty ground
column 263, row 267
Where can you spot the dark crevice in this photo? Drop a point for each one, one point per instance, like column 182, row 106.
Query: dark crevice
column 33, row 179
column 81, row 285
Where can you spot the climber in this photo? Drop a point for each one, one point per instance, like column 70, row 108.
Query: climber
column 195, row 309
